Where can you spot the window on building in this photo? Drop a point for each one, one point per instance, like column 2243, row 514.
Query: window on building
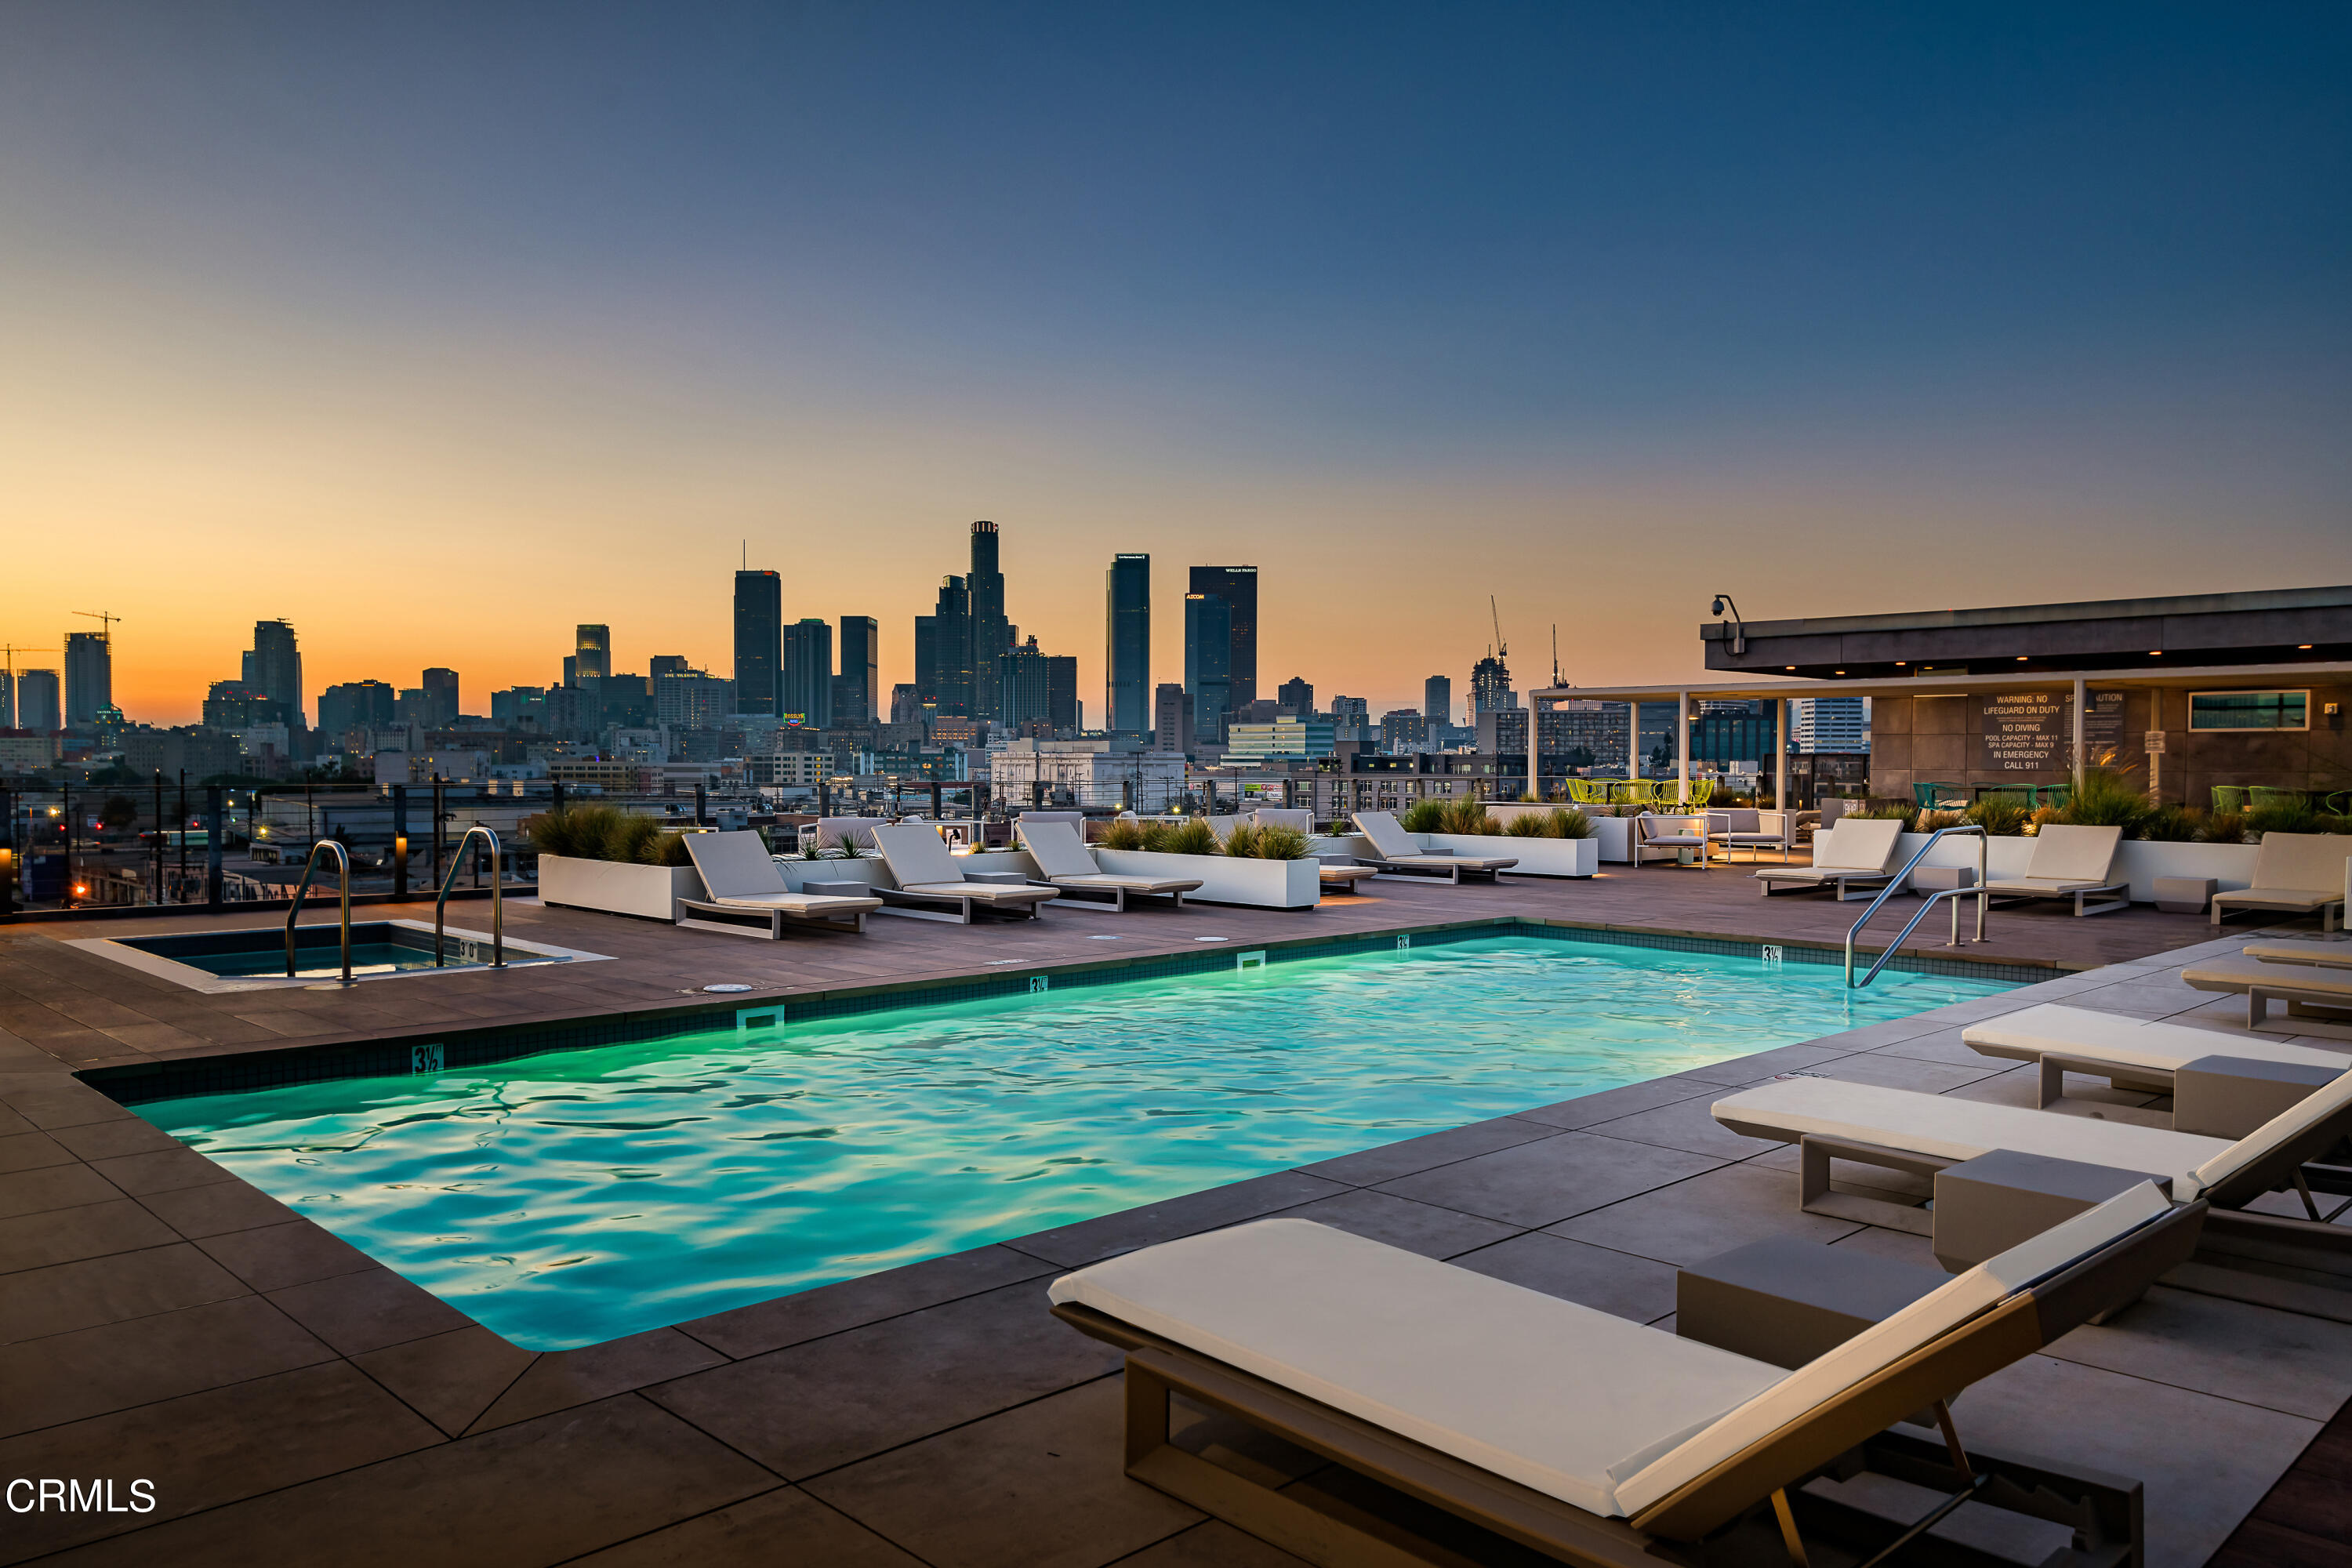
column 2250, row 710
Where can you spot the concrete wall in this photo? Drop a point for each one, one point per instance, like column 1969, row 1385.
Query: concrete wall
column 1918, row 739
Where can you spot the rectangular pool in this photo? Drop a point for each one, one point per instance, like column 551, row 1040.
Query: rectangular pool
column 253, row 958
column 575, row 1196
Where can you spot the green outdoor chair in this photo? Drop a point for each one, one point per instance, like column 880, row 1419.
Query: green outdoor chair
column 2263, row 796
column 2229, row 800
column 1938, row 796
column 1638, row 792
column 2053, row 794
column 1589, row 792
column 1701, row 792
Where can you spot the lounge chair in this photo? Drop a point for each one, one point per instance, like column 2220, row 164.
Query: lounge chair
column 1906, row 1129
column 2303, row 873
column 1344, row 877
column 2316, row 992
column 1063, row 863
column 1855, row 854
column 747, row 895
column 2131, row 1053
column 851, row 832
column 2337, row 954
column 1584, row 1436
column 1395, row 853
column 927, row 874
column 1292, row 816
column 1754, row 831
column 2069, row 862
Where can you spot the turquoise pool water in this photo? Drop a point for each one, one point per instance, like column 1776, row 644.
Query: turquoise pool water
column 575, row 1196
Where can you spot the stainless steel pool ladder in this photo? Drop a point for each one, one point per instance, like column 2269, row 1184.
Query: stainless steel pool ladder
column 498, row 907
column 1930, row 902
column 309, row 869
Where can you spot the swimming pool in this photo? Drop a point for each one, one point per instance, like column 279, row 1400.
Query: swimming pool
column 577, row 1195
column 253, row 958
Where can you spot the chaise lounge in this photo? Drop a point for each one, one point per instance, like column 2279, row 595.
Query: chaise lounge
column 2070, row 862
column 747, row 894
column 2301, row 873
column 927, row 875
column 1853, row 854
column 1065, row 864
column 2130, row 1053
column 1395, row 853
column 2316, row 992
column 1583, row 1436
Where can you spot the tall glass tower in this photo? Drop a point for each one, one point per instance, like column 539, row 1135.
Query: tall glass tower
column 759, row 644
column 90, row 678
column 1208, row 655
column 991, row 636
column 1237, row 586
column 806, row 686
column 856, row 690
column 1127, row 656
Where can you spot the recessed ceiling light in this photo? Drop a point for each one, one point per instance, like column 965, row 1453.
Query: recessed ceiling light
column 1791, row 667
column 2021, row 658
column 1841, row 672
column 2302, row 648
column 1901, row 662
column 2156, row 653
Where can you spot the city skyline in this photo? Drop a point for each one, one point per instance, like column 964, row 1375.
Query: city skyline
column 1777, row 293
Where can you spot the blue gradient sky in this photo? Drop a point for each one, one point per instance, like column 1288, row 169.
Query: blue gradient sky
column 1594, row 308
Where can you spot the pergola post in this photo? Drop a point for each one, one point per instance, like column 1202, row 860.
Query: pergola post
column 1681, row 749
column 2081, row 762
column 1632, row 739
column 1780, row 754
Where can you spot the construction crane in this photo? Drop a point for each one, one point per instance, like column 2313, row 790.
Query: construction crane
column 1502, row 649
column 105, row 620
column 1555, row 653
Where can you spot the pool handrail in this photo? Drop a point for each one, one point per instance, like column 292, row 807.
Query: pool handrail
column 498, row 903
column 309, row 869
column 1955, row 894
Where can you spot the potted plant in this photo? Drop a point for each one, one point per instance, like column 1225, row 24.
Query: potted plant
column 1270, row 868
column 619, row 862
column 1549, row 841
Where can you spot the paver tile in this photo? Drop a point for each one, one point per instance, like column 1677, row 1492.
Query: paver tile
column 74, row 1376
column 53, row 1187
column 217, row 1209
column 367, row 1311
column 1537, row 1184
column 1087, row 1241
column 272, row 1256
column 451, row 1378
column 1694, row 1220
column 1389, row 1161
column 65, row 1297
column 1400, row 1222
column 1615, row 1282
column 783, row 1526
column 829, row 1309
column 560, row 1379
column 61, row 1235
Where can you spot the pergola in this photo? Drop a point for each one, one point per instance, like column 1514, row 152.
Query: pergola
column 2212, row 677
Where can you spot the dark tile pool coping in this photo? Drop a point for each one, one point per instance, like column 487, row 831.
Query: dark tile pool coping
column 448, row 1049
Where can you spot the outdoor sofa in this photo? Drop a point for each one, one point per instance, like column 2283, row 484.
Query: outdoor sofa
column 1065, row 864
column 2070, row 862
column 1584, row 1436
column 1855, row 854
column 1742, row 827
column 1665, row 835
column 748, row 895
column 1394, row 853
column 2301, row 873
column 927, row 875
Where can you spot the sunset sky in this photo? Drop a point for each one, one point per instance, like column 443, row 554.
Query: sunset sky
column 436, row 330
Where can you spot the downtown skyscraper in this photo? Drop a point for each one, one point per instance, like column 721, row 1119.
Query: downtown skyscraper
column 991, row 635
column 1237, row 586
column 759, row 640
column 1127, row 651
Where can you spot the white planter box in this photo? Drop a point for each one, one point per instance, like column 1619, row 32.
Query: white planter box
column 1226, row 879
column 616, row 886
column 1615, row 837
column 2138, row 861
column 1537, row 856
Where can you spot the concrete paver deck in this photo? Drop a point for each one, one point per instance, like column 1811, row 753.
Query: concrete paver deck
column 293, row 1401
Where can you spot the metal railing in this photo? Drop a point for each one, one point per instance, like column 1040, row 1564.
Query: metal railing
column 309, row 869
column 1952, row 894
column 498, row 900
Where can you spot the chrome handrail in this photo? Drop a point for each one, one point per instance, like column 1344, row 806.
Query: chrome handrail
column 309, row 869
column 498, row 906
column 1928, row 903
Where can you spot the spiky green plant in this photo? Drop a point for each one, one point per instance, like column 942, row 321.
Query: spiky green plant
column 1423, row 816
column 1467, row 815
column 1242, row 839
column 2224, row 827
column 665, row 850
column 2001, row 816
column 1574, row 824
column 2107, row 798
column 2283, row 820
column 1930, row 821
column 2172, row 825
column 1122, row 834
column 1279, row 843
column 1530, row 825
column 1193, row 837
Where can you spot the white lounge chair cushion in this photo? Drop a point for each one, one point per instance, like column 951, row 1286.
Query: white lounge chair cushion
column 2125, row 1042
column 2065, row 853
column 2300, row 863
column 1851, row 846
column 1819, row 876
column 800, row 903
column 1952, row 1129
column 2278, row 897
column 734, row 864
column 2327, row 954
column 1389, row 836
column 1129, row 884
column 1884, row 1343
column 2042, row 887
column 978, row 892
column 1548, row 1394
column 2238, row 974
